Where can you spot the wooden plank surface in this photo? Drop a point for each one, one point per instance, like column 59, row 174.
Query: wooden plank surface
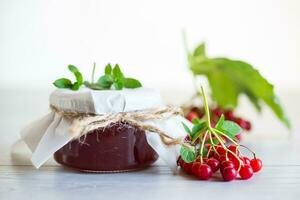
column 158, row 182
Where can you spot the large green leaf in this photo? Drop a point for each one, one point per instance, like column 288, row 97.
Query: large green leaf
column 230, row 78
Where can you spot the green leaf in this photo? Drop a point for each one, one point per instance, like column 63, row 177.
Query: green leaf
column 117, row 73
column 118, row 85
column 186, row 128
column 228, row 79
column 118, row 78
column 79, row 78
column 228, row 99
column 230, row 127
column 187, row 154
column 197, row 129
column 75, row 86
column 105, row 81
column 196, row 121
column 200, row 51
column 220, row 122
column 62, row 83
column 254, row 100
column 108, row 69
column 72, row 68
column 131, row 83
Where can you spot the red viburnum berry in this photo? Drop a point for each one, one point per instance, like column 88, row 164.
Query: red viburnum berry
column 214, row 164
column 187, row 167
column 229, row 173
column 246, row 172
column 246, row 160
column 221, row 150
column 180, row 162
column 229, row 115
column 256, row 164
column 195, row 167
column 223, row 158
column 192, row 115
column 217, row 111
column 204, row 172
column 242, row 123
column 248, row 126
column 238, row 137
column 225, row 164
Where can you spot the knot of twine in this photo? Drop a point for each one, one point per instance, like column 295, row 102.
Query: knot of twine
column 83, row 123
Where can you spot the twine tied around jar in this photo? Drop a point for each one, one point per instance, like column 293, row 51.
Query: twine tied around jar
column 83, row 123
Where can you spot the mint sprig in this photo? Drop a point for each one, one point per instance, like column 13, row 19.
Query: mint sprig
column 228, row 79
column 113, row 78
column 67, row 83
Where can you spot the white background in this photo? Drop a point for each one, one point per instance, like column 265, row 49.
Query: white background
column 39, row 38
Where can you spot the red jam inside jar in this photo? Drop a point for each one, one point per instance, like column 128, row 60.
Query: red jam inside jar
column 117, row 148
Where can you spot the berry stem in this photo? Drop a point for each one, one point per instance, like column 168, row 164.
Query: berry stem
column 195, row 139
column 202, row 146
column 227, row 150
column 208, row 152
column 207, row 115
column 248, row 150
column 220, row 132
column 213, row 144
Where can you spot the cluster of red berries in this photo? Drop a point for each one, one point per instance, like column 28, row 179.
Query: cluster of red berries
column 228, row 164
column 216, row 113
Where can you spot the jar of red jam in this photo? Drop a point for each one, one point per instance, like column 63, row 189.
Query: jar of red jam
column 116, row 146
column 119, row 146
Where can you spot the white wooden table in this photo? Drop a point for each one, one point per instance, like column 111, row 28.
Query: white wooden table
column 279, row 179
column 158, row 182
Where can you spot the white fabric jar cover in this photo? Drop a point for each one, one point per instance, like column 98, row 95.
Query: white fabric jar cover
column 48, row 134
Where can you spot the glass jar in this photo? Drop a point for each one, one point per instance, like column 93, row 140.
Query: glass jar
column 118, row 148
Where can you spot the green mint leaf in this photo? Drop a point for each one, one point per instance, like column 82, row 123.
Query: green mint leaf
column 118, row 84
column 79, row 78
column 187, row 154
column 186, row 128
column 230, row 127
column 105, row 81
column 72, row 68
column 62, row 83
column 131, row 83
column 228, row 79
column 108, row 69
column 220, row 122
column 117, row 73
column 75, row 86
column 118, row 78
